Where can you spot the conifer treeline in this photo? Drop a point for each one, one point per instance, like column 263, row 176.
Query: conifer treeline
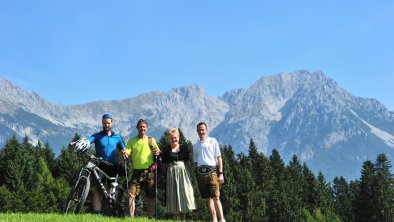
column 257, row 187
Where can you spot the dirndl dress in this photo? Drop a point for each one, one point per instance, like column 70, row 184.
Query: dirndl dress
column 179, row 189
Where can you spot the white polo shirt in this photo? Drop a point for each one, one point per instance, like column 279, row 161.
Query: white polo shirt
column 206, row 152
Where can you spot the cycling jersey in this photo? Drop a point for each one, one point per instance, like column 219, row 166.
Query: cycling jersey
column 106, row 145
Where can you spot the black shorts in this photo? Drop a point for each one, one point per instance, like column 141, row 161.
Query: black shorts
column 110, row 170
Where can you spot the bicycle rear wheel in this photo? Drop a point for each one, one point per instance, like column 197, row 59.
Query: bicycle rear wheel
column 121, row 207
column 78, row 195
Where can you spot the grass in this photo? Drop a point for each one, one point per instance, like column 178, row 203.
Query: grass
column 34, row 217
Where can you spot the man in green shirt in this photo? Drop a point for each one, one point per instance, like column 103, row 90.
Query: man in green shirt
column 142, row 149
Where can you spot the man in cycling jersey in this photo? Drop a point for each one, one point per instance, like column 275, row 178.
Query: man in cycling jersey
column 106, row 143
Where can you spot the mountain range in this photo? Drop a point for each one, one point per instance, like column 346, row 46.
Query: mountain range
column 299, row 113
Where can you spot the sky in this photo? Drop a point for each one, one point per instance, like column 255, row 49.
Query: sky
column 78, row 51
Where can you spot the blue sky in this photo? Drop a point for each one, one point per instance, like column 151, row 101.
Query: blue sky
column 79, row 51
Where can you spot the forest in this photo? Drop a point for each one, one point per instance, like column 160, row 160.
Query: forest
column 257, row 187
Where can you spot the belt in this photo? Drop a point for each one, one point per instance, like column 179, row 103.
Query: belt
column 176, row 163
column 205, row 169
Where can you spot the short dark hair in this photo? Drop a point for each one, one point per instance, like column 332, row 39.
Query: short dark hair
column 202, row 123
column 142, row 121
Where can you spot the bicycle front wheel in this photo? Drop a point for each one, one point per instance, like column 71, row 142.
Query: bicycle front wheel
column 78, row 195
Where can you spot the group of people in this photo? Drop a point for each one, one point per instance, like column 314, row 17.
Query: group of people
column 143, row 149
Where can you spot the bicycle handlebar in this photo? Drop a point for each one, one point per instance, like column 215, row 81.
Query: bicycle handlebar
column 92, row 157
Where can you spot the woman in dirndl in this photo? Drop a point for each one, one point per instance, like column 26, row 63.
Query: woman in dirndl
column 179, row 191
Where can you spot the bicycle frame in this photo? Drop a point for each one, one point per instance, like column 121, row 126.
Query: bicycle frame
column 82, row 186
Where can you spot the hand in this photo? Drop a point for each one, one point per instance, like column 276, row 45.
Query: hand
column 124, row 154
column 221, row 179
column 72, row 144
column 156, row 152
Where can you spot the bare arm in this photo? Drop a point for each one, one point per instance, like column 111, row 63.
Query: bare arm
column 220, row 170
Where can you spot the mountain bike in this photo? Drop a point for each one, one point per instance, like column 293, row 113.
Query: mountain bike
column 114, row 202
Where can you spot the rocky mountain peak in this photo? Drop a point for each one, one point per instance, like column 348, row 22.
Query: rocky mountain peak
column 299, row 113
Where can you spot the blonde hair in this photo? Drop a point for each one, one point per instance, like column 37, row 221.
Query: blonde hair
column 172, row 132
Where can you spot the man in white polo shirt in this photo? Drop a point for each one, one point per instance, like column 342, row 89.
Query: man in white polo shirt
column 209, row 171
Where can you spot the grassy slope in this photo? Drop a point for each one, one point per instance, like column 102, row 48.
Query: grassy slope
column 16, row 217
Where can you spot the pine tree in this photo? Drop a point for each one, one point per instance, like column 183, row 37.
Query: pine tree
column 364, row 206
column 55, row 190
column 343, row 199
column 325, row 198
column 229, row 195
column 262, row 176
column 18, row 171
column 9, row 201
column 12, row 166
column 39, row 199
column 26, row 145
column 353, row 193
column 295, row 183
column 259, row 166
column 29, row 160
column 10, row 189
column 383, row 190
column 48, row 154
column 10, row 157
column 252, row 203
column 67, row 166
column 310, row 187
column 278, row 201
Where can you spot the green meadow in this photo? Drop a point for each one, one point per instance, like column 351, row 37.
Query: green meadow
column 33, row 217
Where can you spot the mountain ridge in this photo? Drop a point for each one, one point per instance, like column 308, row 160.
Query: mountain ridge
column 301, row 113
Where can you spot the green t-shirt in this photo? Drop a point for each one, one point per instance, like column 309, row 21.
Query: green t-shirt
column 140, row 152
